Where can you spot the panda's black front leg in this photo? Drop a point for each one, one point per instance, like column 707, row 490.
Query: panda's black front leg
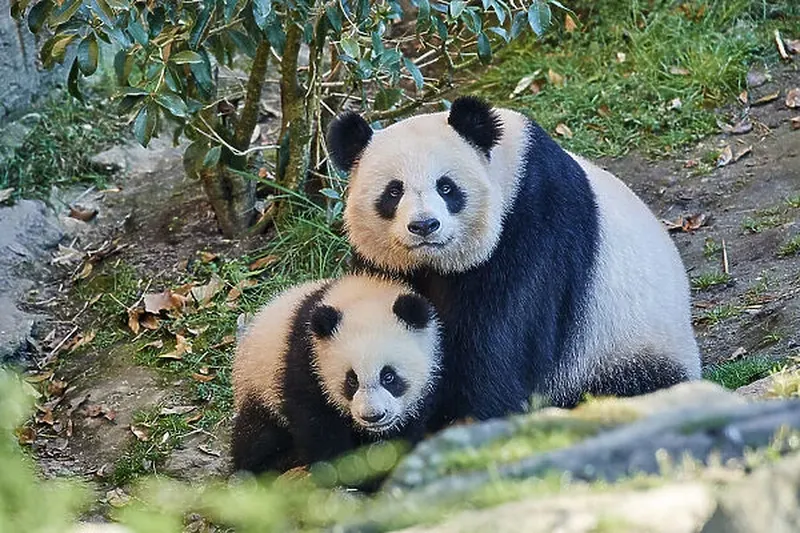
column 319, row 434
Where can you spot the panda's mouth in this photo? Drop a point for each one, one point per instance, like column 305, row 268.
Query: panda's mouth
column 430, row 245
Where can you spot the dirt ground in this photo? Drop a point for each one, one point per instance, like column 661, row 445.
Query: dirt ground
column 164, row 220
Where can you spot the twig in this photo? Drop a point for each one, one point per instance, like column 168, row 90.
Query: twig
column 725, row 258
column 60, row 344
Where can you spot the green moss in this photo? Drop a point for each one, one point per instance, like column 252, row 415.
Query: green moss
column 735, row 374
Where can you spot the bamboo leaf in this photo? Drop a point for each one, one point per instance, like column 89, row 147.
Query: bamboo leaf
column 484, row 48
column 187, row 56
column 413, row 69
column 87, row 55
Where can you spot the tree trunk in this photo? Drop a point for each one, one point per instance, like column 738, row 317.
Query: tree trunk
column 232, row 197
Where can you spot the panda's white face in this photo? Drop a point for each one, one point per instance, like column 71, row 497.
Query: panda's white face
column 421, row 195
column 376, row 359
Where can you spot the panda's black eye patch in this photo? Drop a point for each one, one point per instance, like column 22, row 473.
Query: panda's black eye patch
column 350, row 384
column 386, row 204
column 392, row 382
column 452, row 195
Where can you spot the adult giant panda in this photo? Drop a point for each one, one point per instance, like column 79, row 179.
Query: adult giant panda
column 549, row 275
column 330, row 365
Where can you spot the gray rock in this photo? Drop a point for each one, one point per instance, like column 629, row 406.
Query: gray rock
column 28, row 234
column 768, row 501
column 763, row 388
column 196, row 458
column 132, row 155
column 13, row 135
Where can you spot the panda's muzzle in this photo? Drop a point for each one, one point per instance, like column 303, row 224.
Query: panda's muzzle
column 424, row 227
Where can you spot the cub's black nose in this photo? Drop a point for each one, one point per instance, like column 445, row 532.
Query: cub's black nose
column 423, row 228
column 373, row 418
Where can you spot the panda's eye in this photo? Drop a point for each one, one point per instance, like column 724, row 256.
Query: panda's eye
column 387, row 376
column 445, row 189
column 352, row 380
column 395, row 192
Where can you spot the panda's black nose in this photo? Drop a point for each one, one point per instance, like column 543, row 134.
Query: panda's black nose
column 371, row 419
column 424, row 227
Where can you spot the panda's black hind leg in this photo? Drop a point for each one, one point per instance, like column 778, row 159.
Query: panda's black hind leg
column 258, row 443
column 632, row 376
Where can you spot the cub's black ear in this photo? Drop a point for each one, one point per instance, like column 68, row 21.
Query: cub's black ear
column 348, row 135
column 324, row 321
column 476, row 121
column 414, row 310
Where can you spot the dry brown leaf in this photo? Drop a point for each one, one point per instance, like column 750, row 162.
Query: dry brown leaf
column 163, row 301
column 184, row 289
column 781, row 47
column 204, row 293
column 82, row 213
column 26, row 435
column 604, row 111
column 203, row 378
column 177, row 410
column 82, row 340
column 743, row 98
column 133, row 320
column 687, row 223
column 555, row 78
column 207, row 257
column 524, row 83
column 56, row 387
column 142, row 432
column 38, row 378
column 263, row 262
column 569, row 24
column 150, row 322
column 563, row 130
column 679, row 71
column 793, row 98
column 767, row 98
column 194, row 417
column 226, row 340
column 233, row 294
column 792, row 45
column 45, row 416
column 725, row 156
column 110, row 414
column 743, row 152
column 691, row 163
column 154, row 344
column 796, row 123
column 86, row 271
column 182, row 346
column 5, row 194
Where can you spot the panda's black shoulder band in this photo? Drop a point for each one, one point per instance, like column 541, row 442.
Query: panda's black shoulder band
column 476, row 121
column 348, row 136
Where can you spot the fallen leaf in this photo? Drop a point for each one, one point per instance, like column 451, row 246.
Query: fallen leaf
column 67, row 255
column 226, row 340
column 604, row 111
column 555, row 78
column 675, row 104
column 207, row 450
column 133, row 320
column 142, row 432
column 94, row 410
column 756, row 78
column 263, row 262
column 182, row 346
column 694, row 222
column 177, row 410
column 45, row 417
column 110, row 415
column 691, row 163
column 743, row 126
column 233, row 294
column 569, row 24
column 184, row 289
column 197, row 331
column 154, row 344
column 767, row 98
column 203, row 378
column 86, row 271
column 743, row 97
column 621, row 57
column 150, row 322
column 82, row 340
column 56, row 387
column 38, row 378
column 793, row 98
column 262, row 172
column 725, row 156
column 781, row 47
column 204, row 293
column 26, row 435
column 536, row 87
column 737, row 354
column 524, row 83
column 792, row 45
column 796, row 123
column 163, row 301
column 741, row 153
column 563, row 130
column 82, row 213
column 5, row 194
column 117, row 498
column 679, row 71
column 207, row 257
column 193, row 417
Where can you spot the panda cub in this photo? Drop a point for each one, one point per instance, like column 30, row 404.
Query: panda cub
column 330, row 365
column 550, row 276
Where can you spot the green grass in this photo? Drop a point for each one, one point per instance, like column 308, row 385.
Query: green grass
column 735, row 374
column 719, row 313
column 57, row 150
column 611, row 106
column 710, row 279
column 711, row 248
column 791, row 247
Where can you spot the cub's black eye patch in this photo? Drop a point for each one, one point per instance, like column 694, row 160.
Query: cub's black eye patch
column 350, row 384
column 386, row 204
column 392, row 382
column 454, row 198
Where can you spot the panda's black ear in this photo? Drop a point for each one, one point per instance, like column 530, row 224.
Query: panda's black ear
column 348, row 135
column 476, row 121
column 324, row 321
column 414, row 310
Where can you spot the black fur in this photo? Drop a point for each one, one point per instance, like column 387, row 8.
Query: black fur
column 324, row 321
column 348, row 135
column 476, row 121
column 454, row 198
column 414, row 310
column 396, row 385
column 316, row 430
column 386, row 204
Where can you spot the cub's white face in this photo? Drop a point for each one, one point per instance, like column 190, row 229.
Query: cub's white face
column 374, row 365
column 421, row 195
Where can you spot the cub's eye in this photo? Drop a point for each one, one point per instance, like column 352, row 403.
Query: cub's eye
column 395, row 192
column 352, row 380
column 387, row 376
column 444, row 188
